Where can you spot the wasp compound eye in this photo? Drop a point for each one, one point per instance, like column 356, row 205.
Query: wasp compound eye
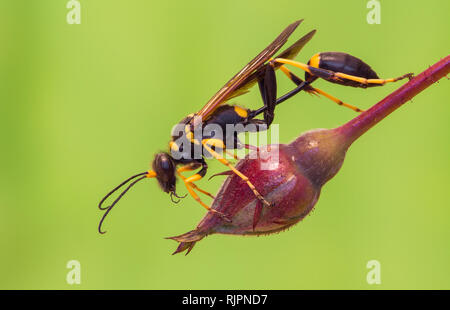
column 164, row 167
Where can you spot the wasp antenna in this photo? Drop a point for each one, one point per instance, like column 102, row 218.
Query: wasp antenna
column 108, row 209
column 118, row 187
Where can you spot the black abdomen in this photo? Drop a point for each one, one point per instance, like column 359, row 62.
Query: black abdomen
column 348, row 64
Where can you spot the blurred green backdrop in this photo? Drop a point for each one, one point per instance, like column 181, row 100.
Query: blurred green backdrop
column 85, row 106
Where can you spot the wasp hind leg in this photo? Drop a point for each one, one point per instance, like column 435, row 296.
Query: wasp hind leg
column 331, row 75
column 371, row 81
column 298, row 81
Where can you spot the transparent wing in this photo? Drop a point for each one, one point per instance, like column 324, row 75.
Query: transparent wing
column 253, row 78
column 234, row 87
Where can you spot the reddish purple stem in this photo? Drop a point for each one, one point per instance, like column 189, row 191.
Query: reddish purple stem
column 366, row 120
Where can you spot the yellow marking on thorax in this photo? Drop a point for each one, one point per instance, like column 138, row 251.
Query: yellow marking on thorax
column 240, row 111
column 173, row 146
column 187, row 129
column 190, row 134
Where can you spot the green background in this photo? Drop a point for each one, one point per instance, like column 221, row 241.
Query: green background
column 85, row 106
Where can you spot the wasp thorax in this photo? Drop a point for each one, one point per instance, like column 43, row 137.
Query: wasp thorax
column 164, row 167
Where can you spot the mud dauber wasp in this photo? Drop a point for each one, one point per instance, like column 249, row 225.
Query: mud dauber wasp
column 334, row 67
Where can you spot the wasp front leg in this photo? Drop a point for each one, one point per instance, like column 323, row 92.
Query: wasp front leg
column 190, row 186
column 192, row 167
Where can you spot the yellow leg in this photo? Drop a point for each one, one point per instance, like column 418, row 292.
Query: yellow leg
column 294, row 63
column 339, row 75
column 188, row 167
column 186, row 180
column 232, row 155
column 217, row 143
column 190, row 186
column 190, row 189
column 289, row 74
column 217, row 156
column 338, row 101
column 371, row 81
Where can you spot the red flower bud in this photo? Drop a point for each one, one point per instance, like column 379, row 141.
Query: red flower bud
column 293, row 187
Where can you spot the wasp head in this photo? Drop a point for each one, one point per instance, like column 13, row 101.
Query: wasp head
column 164, row 167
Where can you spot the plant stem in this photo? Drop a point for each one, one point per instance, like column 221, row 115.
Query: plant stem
column 366, row 120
